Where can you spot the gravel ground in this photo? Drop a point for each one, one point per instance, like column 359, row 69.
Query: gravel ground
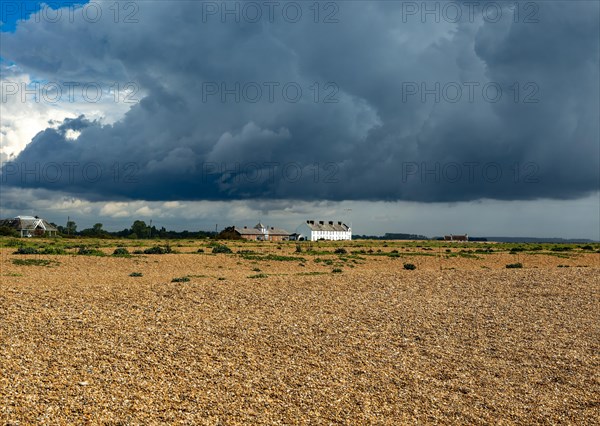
column 83, row 342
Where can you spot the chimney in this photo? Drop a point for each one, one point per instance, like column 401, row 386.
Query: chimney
column 245, row 227
column 339, row 223
column 321, row 222
column 331, row 222
column 271, row 227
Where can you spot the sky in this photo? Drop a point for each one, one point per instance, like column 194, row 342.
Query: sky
column 416, row 117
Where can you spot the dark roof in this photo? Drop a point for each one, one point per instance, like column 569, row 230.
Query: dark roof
column 327, row 226
column 257, row 231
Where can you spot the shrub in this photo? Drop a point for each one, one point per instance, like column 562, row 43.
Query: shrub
column 514, row 265
column 200, row 250
column 180, row 280
column 8, row 231
column 158, row 250
column 121, row 251
column 587, row 247
column 27, row 250
column 221, row 248
column 88, row 251
column 336, row 271
column 53, row 250
column 298, row 248
column 136, row 274
column 340, row 250
column 409, row 266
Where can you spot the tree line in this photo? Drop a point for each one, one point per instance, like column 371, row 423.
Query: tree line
column 138, row 230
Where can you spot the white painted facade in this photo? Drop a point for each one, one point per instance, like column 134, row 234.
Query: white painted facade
column 324, row 230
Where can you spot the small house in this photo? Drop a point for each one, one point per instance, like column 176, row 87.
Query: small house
column 29, row 226
column 259, row 232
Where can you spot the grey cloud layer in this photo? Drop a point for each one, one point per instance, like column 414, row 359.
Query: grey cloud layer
column 374, row 143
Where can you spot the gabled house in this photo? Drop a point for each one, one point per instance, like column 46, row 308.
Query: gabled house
column 259, row 232
column 29, row 226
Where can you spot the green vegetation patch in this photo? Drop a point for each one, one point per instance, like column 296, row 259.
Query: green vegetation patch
column 121, row 252
column 158, row 250
column 221, row 248
column 89, row 251
column 257, row 276
column 275, row 257
column 35, row 262
column 310, row 273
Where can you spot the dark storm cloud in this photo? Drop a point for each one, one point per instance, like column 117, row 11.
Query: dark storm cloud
column 411, row 112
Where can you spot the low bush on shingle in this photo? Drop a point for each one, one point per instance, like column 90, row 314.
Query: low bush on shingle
column 136, row 274
column 514, row 265
column 409, row 266
column 158, row 250
column 221, row 248
column 121, row 252
column 340, row 250
column 180, row 280
column 27, row 250
column 53, row 250
column 89, row 251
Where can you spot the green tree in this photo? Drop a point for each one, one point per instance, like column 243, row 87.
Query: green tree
column 97, row 228
column 140, row 228
column 71, row 227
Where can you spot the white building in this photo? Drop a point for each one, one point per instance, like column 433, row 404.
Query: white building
column 314, row 231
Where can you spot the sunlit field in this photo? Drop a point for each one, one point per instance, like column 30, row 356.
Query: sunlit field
column 361, row 332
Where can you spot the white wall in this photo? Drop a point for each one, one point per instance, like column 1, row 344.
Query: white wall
column 327, row 235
